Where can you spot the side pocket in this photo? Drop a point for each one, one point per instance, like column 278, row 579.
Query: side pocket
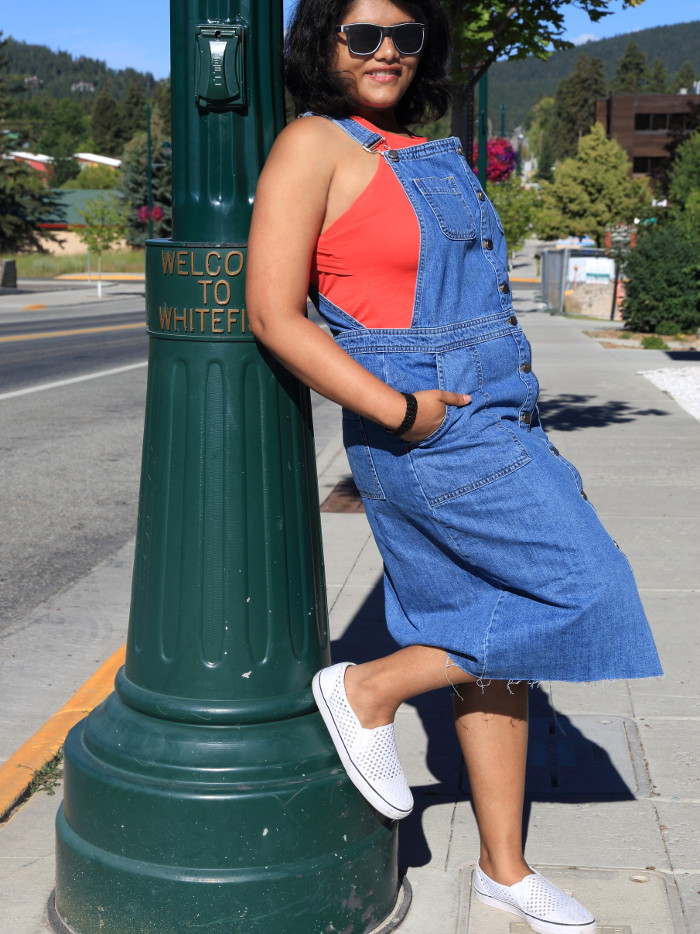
column 360, row 456
column 476, row 450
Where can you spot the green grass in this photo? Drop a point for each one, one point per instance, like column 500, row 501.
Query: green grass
column 652, row 342
column 48, row 776
column 47, row 266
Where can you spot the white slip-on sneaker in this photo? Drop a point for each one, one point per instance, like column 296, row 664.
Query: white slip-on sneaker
column 541, row 904
column 369, row 756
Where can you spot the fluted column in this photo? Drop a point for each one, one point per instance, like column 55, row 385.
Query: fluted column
column 204, row 794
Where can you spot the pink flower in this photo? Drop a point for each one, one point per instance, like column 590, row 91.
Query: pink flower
column 502, row 160
column 157, row 213
column 143, row 213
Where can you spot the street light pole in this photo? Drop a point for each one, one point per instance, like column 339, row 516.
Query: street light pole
column 149, row 171
column 205, row 794
column 483, row 158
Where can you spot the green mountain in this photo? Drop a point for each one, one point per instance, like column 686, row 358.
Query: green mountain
column 59, row 75
column 518, row 85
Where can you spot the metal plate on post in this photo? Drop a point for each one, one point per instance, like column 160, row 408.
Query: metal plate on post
column 220, row 66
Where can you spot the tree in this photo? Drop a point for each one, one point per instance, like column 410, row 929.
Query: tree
column 108, row 129
column 684, row 78
column 574, row 105
column 516, row 208
column 94, row 177
column 539, row 127
column 591, row 191
column 663, row 279
column 485, row 30
column 24, row 201
column 631, row 76
column 105, row 223
column 134, row 109
column 658, row 78
column 134, row 185
column 545, row 163
column 685, row 171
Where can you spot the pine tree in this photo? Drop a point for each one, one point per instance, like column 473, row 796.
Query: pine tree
column 574, row 105
column 631, row 76
column 545, row 162
column 108, row 129
column 24, row 201
column 684, row 78
column 540, row 129
column 134, row 186
column 160, row 99
column 591, row 191
column 134, row 109
column 658, row 78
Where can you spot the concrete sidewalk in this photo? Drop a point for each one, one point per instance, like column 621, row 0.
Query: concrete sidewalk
column 614, row 785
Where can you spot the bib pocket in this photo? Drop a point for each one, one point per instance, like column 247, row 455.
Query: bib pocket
column 449, row 207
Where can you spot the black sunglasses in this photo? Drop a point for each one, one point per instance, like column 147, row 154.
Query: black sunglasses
column 365, row 38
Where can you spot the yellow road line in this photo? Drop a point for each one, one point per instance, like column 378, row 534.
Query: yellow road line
column 43, row 335
column 18, row 771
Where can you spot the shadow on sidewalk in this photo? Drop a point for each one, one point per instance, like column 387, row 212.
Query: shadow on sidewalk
column 572, row 411
column 556, row 745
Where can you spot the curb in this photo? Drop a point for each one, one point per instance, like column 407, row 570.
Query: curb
column 105, row 277
column 17, row 773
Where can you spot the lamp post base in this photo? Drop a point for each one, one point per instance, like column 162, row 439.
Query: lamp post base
column 170, row 827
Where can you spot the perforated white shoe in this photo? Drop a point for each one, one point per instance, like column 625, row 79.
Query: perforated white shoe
column 541, row 904
column 369, row 756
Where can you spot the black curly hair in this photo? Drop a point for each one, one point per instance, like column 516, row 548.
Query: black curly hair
column 310, row 48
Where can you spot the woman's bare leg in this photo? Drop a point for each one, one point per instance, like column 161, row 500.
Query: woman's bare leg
column 491, row 723
column 492, row 729
column 376, row 690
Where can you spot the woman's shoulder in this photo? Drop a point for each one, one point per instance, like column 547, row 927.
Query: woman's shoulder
column 310, row 129
column 306, row 154
column 312, row 143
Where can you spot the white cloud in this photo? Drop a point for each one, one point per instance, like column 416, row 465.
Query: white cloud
column 584, row 38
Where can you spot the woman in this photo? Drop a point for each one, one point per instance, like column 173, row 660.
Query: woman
column 498, row 572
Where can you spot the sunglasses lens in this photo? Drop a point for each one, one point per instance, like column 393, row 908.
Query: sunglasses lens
column 364, row 38
column 408, row 38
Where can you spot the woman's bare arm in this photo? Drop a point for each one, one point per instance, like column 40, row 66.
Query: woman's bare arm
column 290, row 208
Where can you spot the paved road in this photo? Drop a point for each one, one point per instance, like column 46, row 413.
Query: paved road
column 59, row 347
column 70, row 455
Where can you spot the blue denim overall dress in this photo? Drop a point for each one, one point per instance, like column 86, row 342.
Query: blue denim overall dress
column 491, row 550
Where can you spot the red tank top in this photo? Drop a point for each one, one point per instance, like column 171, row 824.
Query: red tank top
column 367, row 260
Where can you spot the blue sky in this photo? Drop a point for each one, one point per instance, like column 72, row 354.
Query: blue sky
column 135, row 32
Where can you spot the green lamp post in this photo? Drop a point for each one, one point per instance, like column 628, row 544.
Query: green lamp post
column 483, row 157
column 204, row 794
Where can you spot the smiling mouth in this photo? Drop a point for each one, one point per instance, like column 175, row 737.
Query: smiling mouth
column 383, row 73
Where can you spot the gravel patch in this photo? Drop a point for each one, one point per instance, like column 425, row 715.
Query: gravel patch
column 681, row 383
